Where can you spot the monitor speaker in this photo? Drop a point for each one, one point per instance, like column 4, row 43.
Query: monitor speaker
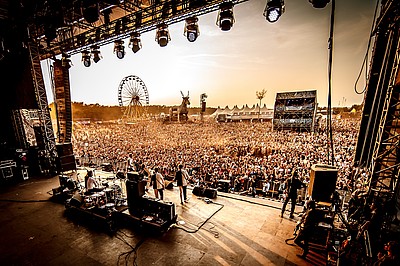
column 322, row 182
column 210, row 193
column 223, row 185
column 198, row 191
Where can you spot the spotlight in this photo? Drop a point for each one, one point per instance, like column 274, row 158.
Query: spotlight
column 66, row 61
column 162, row 35
column 119, row 48
column 135, row 42
column 225, row 18
column 273, row 10
column 95, row 53
column 86, row 58
column 319, row 3
column 191, row 29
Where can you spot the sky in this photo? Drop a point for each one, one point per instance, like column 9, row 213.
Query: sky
column 230, row 67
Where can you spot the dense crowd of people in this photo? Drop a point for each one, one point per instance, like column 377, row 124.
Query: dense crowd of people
column 250, row 156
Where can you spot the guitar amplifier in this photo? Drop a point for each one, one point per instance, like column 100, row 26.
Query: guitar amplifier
column 160, row 209
column 167, row 211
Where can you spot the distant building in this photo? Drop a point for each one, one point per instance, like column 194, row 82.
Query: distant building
column 245, row 113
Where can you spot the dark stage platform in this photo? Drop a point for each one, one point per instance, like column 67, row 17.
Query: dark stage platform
column 229, row 230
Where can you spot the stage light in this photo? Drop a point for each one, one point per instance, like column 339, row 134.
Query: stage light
column 119, row 48
column 65, row 60
column 191, row 29
column 273, row 10
column 86, row 58
column 135, row 44
column 319, row 3
column 162, row 35
column 95, row 53
column 225, row 17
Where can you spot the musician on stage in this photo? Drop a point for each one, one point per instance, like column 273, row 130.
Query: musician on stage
column 292, row 184
column 91, row 184
column 159, row 183
column 182, row 177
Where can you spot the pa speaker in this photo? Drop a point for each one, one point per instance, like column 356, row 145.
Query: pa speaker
column 210, row 193
column 322, row 182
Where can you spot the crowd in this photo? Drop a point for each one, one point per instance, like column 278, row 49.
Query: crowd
column 249, row 155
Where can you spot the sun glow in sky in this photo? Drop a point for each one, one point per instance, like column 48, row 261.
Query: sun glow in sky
column 289, row 55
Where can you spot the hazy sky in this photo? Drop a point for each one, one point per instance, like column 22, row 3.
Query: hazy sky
column 289, row 55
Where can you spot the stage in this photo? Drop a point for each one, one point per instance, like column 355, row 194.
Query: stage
column 227, row 230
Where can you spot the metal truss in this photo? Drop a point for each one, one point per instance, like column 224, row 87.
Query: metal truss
column 386, row 154
column 72, row 40
column 41, row 98
column 381, row 116
column 295, row 111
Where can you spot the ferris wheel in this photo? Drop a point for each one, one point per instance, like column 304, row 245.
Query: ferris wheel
column 132, row 97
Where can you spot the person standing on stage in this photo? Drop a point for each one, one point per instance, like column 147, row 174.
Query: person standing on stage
column 153, row 184
column 159, row 183
column 131, row 166
column 293, row 184
column 182, row 177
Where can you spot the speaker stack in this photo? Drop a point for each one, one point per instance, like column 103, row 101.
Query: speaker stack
column 322, row 182
column 134, row 192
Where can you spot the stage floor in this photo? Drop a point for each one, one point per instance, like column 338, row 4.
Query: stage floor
column 230, row 230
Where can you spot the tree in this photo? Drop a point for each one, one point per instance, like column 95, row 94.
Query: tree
column 260, row 95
